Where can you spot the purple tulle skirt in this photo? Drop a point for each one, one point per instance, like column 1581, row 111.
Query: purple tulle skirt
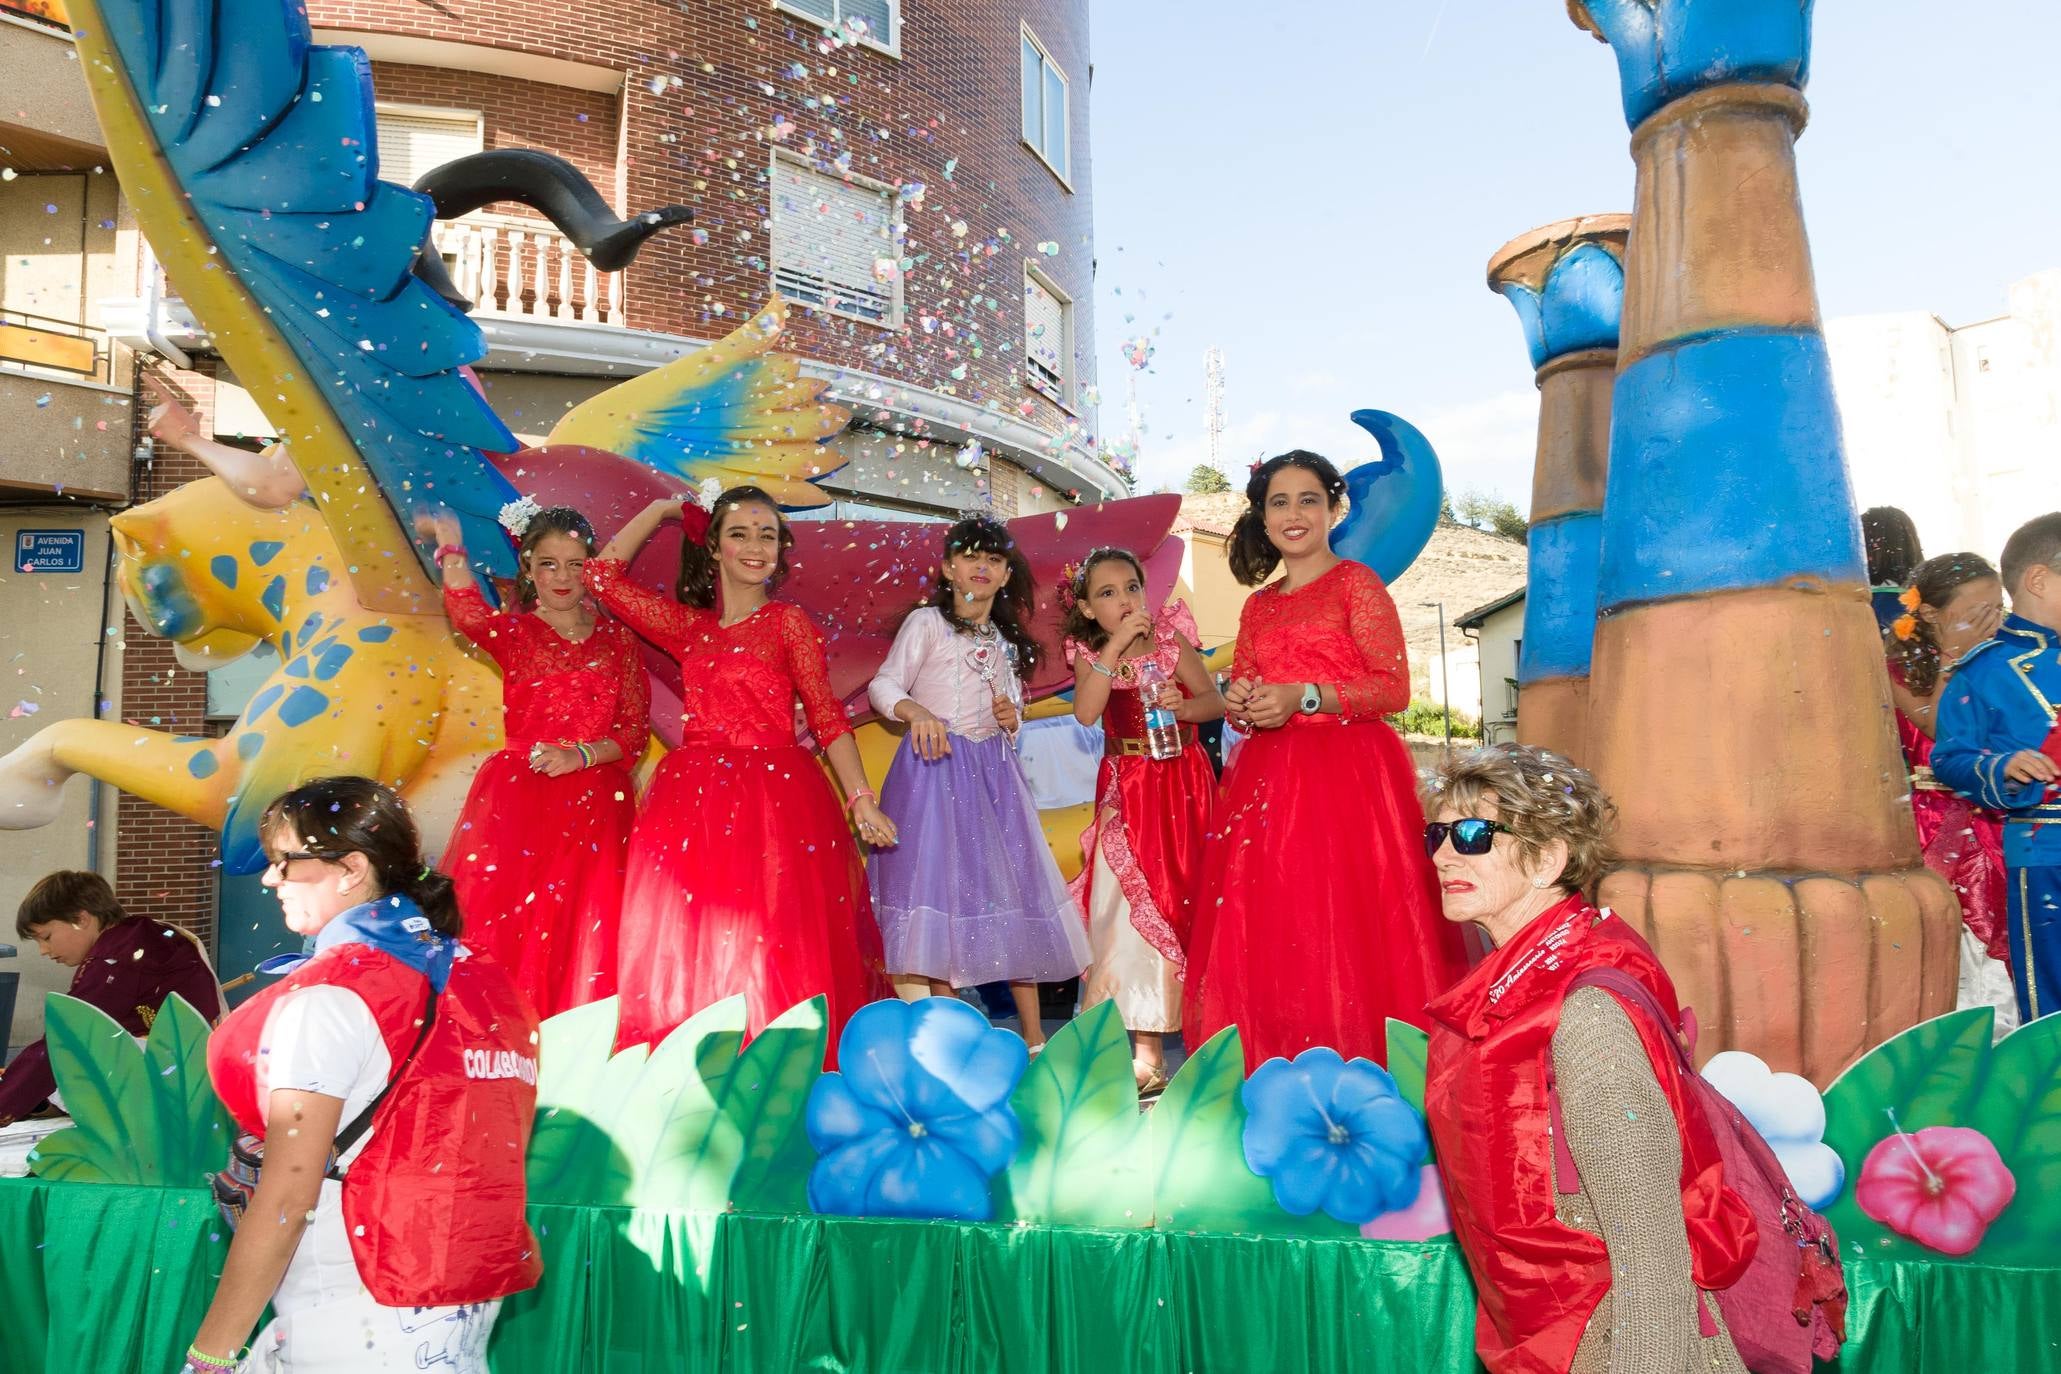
column 971, row 894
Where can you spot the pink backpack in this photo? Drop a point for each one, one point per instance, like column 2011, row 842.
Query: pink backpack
column 1791, row 1301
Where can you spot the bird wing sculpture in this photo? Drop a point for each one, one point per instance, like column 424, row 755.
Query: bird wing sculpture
column 249, row 155
column 734, row 412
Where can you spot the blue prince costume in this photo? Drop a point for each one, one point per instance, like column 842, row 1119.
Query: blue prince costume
column 2000, row 701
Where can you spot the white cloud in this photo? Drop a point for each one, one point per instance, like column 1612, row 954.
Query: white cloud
column 1487, row 445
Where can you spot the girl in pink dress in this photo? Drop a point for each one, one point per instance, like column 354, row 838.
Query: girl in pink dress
column 743, row 876
column 1954, row 603
column 537, row 854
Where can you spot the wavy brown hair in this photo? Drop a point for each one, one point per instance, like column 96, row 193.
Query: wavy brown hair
column 1080, row 623
column 1540, row 796
column 1252, row 555
column 1015, row 603
column 696, row 585
column 551, row 520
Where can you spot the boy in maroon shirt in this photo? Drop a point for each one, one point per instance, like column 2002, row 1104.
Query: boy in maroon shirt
column 126, row 966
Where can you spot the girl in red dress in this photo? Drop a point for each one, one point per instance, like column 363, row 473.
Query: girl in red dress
column 1141, row 879
column 1321, row 913
column 743, row 874
column 1954, row 602
column 537, row 853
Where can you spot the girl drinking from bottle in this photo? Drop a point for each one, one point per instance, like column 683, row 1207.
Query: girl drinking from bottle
column 1153, row 805
column 971, row 893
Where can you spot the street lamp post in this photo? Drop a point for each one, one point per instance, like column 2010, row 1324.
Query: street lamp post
column 1445, row 671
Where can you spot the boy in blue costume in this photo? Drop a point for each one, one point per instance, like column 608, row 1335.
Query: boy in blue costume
column 1999, row 745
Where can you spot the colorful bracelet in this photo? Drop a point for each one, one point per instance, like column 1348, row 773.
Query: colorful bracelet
column 212, row 1364
column 861, row 795
column 449, row 551
column 586, row 752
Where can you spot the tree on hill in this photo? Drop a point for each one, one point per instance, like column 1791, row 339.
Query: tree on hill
column 1491, row 514
column 1206, row 481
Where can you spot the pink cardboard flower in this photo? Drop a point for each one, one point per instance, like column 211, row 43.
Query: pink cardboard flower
column 1941, row 1187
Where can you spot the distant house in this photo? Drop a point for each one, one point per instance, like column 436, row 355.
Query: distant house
column 1496, row 631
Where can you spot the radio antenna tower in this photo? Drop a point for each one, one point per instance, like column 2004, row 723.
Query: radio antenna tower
column 1213, row 404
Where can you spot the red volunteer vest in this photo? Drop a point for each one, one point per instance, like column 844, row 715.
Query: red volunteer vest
column 1538, row 1279
column 434, row 1201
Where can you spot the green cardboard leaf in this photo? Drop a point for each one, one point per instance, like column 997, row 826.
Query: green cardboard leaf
column 100, row 1075
column 765, row 1099
column 1079, row 1160
column 1200, row 1180
column 2019, row 1109
column 580, row 1089
column 192, row 1131
column 1409, row 1057
column 682, row 1151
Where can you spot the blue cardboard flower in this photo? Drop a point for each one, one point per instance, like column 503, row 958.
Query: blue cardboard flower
column 1333, row 1135
column 917, row 1118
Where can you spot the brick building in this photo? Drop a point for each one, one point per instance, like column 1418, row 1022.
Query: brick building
column 913, row 177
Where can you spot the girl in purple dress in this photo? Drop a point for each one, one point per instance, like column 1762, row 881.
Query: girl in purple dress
column 971, row 894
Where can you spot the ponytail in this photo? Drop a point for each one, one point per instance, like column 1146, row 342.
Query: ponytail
column 350, row 815
column 1252, row 555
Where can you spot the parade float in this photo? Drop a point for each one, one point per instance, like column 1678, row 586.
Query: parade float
column 1700, row 635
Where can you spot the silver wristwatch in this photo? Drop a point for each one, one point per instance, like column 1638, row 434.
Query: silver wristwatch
column 1312, row 699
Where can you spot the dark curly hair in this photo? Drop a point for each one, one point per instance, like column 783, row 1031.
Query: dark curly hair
column 550, row 520
column 697, row 582
column 1253, row 555
column 1080, row 622
column 352, row 815
column 1015, row 603
column 1919, row 658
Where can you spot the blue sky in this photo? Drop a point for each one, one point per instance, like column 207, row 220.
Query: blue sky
column 1315, row 187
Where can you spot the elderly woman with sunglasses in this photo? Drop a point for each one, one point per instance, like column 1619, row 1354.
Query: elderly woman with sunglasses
column 1604, row 1262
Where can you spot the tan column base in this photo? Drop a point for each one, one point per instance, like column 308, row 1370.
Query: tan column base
column 1553, row 713
column 1808, row 971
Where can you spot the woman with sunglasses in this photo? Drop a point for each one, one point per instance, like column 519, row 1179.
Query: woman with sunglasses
column 1321, row 915
column 1606, row 1267
column 386, row 1086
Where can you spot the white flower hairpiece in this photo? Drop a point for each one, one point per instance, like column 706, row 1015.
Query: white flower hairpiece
column 515, row 517
column 707, row 494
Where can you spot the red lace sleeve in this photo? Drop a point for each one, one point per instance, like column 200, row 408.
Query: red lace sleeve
column 1370, row 617
column 631, row 730
column 660, row 619
column 811, row 673
column 1243, row 661
column 467, row 610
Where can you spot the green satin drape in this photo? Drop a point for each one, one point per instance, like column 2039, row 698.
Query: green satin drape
column 114, row 1279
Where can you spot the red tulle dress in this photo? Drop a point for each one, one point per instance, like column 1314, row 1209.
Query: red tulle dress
column 1143, row 850
column 537, row 860
column 1320, row 916
column 1963, row 843
column 743, row 874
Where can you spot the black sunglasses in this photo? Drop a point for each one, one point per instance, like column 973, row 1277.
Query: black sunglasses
column 1471, row 836
column 285, row 857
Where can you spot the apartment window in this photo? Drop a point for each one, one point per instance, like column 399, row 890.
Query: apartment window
column 1047, row 337
column 882, row 18
column 414, row 139
column 1044, row 106
column 836, row 243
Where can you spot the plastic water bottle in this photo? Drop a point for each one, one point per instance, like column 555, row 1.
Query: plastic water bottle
column 1162, row 729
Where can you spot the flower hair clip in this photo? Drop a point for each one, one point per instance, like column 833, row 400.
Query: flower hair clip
column 708, row 493
column 515, row 517
column 1909, row 599
column 1904, row 627
column 1068, row 591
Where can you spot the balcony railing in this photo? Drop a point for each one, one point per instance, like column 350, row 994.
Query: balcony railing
column 524, row 269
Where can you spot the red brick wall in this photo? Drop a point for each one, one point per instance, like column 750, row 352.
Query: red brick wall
column 165, row 864
column 579, row 126
column 949, row 103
